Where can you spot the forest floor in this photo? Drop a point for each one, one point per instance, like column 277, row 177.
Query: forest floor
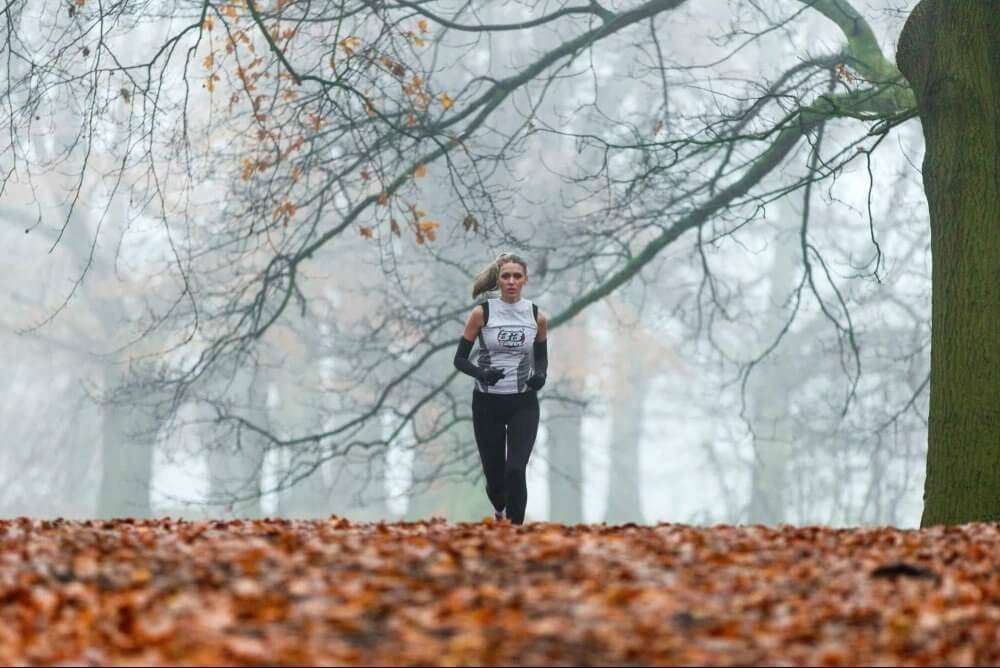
column 435, row 593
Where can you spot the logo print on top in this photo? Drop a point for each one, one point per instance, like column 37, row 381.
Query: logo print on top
column 511, row 337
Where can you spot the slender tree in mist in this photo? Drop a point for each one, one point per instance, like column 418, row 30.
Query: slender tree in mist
column 262, row 138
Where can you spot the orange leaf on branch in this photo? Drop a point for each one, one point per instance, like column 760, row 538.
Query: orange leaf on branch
column 286, row 209
column 350, row 44
column 428, row 228
column 295, row 145
column 420, row 171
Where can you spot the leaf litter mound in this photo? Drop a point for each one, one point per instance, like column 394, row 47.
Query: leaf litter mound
column 171, row 592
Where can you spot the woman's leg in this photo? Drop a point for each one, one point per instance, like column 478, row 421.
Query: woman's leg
column 521, row 431
column 491, row 439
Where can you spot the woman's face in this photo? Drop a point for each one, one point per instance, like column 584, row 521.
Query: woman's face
column 511, row 281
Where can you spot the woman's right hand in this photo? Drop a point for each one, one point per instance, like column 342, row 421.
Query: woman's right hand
column 491, row 375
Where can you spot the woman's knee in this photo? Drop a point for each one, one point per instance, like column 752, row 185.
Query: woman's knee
column 515, row 472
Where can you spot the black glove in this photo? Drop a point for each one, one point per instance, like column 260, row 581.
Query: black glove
column 541, row 354
column 490, row 375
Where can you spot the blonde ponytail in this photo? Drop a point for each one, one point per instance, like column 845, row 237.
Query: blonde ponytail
column 485, row 280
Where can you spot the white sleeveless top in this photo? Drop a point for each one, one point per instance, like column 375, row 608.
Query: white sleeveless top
column 506, row 342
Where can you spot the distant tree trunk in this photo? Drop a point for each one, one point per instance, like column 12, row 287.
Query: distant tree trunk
column 564, row 435
column 771, row 448
column 235, row 464
column 627, row 417
column 358, row 484
column 564, row 425
column 950, row 52
column 466, row 501
column 429, row 497
column 432, row 494
column 77, row 475
column 128, row 434
column 306, row 499
column 302, row 402
column 447, row 478
column 769, row 383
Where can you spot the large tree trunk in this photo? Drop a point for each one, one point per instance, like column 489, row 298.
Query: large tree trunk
column 950, row 52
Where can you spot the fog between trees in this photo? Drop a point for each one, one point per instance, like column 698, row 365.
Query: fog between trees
column 241, row 236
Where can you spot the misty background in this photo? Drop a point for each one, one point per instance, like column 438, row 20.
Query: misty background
column 713, row 387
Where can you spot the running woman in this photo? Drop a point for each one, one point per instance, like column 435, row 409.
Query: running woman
column 505, row 399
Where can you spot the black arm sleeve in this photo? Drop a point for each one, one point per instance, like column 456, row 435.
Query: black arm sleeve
column 462, row 361
column 541, row 351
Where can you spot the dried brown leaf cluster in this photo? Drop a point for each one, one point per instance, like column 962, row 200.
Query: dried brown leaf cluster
column 331, row 592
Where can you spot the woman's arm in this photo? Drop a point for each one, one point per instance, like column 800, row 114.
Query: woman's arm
column 540, row 351
column 473, row 324
column 543, row 327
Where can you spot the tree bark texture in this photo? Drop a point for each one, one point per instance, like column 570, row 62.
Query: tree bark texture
column 950, row 52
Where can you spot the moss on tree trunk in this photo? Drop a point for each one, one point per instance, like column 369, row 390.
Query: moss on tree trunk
column 950, row 52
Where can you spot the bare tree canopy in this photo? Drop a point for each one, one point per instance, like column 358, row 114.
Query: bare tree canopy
column 321, row 180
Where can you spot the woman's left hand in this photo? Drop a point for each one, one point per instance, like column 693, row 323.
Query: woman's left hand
column 536, row 382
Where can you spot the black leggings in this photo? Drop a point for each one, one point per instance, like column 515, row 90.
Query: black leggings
column 505, row 426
